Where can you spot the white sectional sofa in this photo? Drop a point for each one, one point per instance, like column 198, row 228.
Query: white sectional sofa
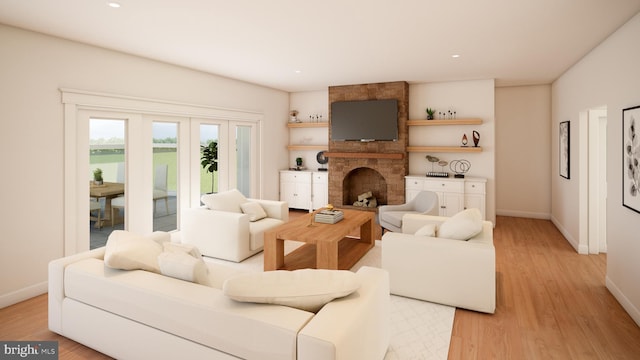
column 137, row 314
column 460, row 273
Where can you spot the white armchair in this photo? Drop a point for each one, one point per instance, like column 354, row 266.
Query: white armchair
column 390, row 216
column 446, row 271
column 230, row 226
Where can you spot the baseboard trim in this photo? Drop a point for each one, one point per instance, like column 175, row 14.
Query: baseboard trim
column 633, row 311
column 523, row 214
column 23, row 294
column 581, row 249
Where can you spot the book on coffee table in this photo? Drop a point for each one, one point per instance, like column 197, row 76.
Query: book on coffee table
column 329, row 216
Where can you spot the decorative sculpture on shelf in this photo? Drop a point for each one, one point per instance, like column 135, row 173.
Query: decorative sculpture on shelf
column 476, row 138
column 460, row 167
column 464, row 140
column 432, row 160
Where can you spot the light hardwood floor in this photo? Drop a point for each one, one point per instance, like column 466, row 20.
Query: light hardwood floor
column 551, row 304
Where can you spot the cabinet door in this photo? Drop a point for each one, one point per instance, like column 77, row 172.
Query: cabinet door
column 320, row 192
column 475, row 201
column 452, row 203
column 287, row 188
column 302, row 196
column 474, row 196
column 295, row 189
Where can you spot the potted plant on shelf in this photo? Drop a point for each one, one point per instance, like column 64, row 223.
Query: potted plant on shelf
column 430, row 113
column 299, row 162
column 209, row 159
column 97, row 176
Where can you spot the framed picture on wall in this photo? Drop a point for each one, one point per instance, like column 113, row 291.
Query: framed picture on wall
column 631, row 158
column 564, row 149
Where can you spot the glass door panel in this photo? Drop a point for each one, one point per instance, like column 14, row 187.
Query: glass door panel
column 165, row 175
column 106, row 178
column 243, row 159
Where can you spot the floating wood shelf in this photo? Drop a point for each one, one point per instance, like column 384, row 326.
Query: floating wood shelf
column 307, row 125
column 471, row 121
column 364, row 155
column 307, row 147
column 445, row 149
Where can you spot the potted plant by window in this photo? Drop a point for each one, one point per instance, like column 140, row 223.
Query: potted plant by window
column 209, row 159
column 97, row 176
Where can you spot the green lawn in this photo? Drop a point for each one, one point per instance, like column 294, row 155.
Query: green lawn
column 108, row 162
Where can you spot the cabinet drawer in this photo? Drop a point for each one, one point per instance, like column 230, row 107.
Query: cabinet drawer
column 320, row 178
column 414, row 184
column 295, row 176
column 473, row 187
column 447, row 186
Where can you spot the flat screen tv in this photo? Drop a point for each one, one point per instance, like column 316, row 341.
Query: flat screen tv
column 364, row 120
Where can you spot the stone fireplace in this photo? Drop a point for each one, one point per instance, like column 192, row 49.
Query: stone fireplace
column 380, row 166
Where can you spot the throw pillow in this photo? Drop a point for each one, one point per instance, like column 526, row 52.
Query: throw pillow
column 192, row 250
column 224, row 201
column 181, row 265
column 160, row 236
column 254, row 210
column 129, row 251
column 307, row 289
column 427, row 230
column 462, row 226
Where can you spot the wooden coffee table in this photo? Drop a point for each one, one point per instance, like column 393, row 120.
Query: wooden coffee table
column 327, row 246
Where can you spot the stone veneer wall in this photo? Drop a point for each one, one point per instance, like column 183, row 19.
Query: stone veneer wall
column 392, row 171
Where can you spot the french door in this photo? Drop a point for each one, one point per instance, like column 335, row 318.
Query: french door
column 152, row 161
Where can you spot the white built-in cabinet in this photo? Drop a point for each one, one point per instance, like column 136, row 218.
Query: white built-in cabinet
column 307, row 190
column 454, row 195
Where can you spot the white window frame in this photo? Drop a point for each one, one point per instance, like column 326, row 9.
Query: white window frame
column 76, row 149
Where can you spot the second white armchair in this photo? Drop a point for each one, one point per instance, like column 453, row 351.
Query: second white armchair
column 425, row 203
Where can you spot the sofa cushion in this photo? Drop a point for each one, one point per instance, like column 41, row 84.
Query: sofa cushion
column 462, row 226
column 181, row 265
column 306, row 289
column 130, row 251
column 254, row 210
column 427, row 230
column 224, row 201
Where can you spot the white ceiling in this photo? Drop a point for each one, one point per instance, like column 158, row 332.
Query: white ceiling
column 338, row 42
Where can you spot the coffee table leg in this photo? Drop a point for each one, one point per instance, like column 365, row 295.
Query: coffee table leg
column 327, row 255
column 366, row 233
column 273, row 252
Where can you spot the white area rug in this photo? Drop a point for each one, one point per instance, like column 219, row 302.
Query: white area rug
column 419, row 329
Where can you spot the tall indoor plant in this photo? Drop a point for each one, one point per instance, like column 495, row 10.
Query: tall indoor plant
column 209, row 159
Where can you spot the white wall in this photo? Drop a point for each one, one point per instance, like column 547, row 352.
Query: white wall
column 608, row 76
column 309, row 103
column 32, row 69
column 470, row 99
column 523, row 151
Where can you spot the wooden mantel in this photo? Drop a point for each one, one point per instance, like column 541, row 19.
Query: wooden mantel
column 363, row 155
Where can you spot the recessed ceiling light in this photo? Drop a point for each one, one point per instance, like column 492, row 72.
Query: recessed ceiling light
column 455, row 56
column 297, row 71
column 114, row 5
